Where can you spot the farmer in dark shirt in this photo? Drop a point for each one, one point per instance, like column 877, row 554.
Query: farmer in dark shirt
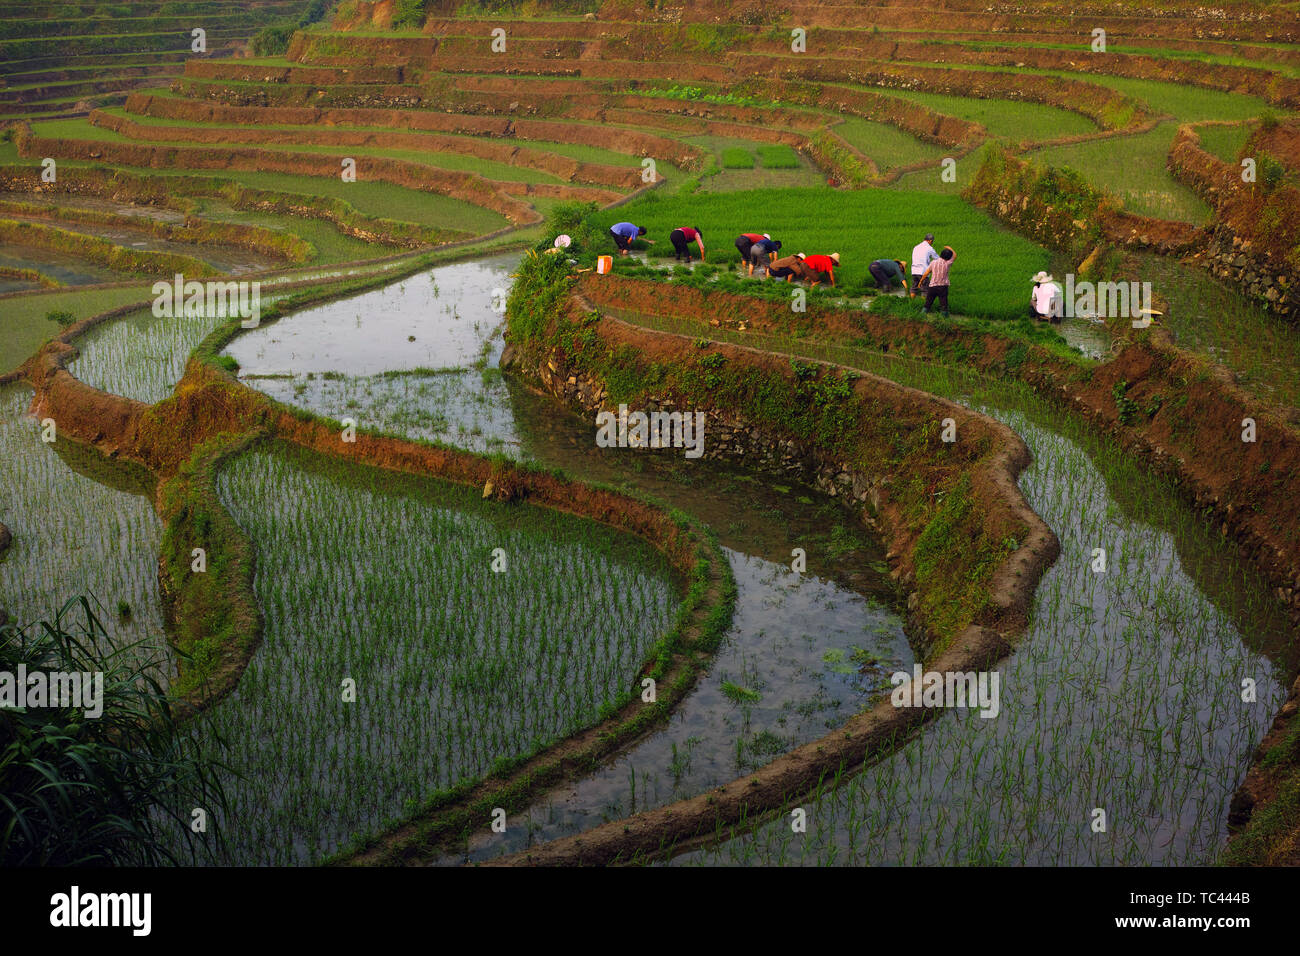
column 763, row 253
column 886, row 272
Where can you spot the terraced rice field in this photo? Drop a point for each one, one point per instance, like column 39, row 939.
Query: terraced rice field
column 413, row 599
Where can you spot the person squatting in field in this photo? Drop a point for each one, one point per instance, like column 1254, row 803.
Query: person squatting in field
column 822, row 265
column 1045, row 298
column 886, row 272
column 936, row 280
column 681, row 237
column 790, row 268
column 623, row 234
column 763, row 254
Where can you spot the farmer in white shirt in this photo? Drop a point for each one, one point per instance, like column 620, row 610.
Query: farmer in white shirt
column 922, row 255
column 1045, row 299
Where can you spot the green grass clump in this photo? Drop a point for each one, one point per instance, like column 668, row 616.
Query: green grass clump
column 735, row 157
column 491, row 667
column 778, row 157
column 84, row 789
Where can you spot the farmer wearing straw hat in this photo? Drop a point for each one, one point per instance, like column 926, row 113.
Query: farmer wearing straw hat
column 886, row 272
column 1045, row 298
column 789, row 268
column 822, row 264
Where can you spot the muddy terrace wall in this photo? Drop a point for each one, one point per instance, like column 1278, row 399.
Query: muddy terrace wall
column 210, row 409
column 880, row 461
column 177, row 192
column 830, row 429
column 195, row 231
column 339, row 112
column 1185, row 20
column 562, row 167
column 117, row 257
column 1058, row 208
column 1252, row 245
column 1184, row 416
column 467, row 186
column 1101, row 104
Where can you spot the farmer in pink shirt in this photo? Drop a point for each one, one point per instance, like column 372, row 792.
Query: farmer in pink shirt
column 937, row 273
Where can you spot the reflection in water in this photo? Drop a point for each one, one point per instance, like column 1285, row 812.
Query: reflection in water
column 438, row 319
column 82, row 525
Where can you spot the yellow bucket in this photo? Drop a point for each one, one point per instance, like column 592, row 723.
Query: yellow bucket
column 604, row 264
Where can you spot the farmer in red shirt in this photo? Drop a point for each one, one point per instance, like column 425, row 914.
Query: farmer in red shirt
column 824, row 264
column 683, row 235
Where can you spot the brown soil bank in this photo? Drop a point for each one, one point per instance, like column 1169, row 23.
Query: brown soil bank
column 1255, row 242
column 631, row 142
column 1059, row 209
column 179, row 192
column 1188, row 417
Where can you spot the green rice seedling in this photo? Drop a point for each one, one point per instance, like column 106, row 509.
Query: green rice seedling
column 80, row 523
column 1116, row 696
column 777, row 156
column 386, row 581
column 988, row 276
column 142, row 356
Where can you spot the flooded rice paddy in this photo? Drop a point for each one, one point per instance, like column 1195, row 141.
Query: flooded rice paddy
column 1123, row 694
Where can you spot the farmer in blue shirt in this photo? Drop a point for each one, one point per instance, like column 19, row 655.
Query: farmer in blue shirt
column 763, row 253
column 623, row 234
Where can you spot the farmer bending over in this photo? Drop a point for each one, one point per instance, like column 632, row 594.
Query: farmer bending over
column 886, row 272
column 745, row 240
column 763, row 253
column 624, row 233
column 681, row 236
column 789, row 268
column 822, row 264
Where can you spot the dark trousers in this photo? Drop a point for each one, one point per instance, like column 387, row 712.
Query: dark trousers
column 884, row 280
column 781, row 273
column 939, row 292
column 742, row 246
column 622, row 242
column 681, row 245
